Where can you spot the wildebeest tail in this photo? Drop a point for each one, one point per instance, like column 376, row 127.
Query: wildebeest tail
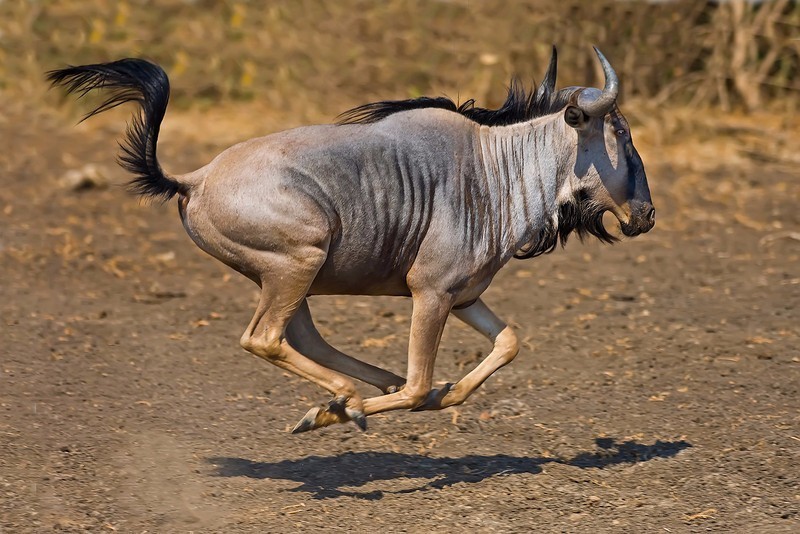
column 130, row 80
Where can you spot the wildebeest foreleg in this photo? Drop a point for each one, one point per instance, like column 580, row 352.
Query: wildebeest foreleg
column 303, row 335
column 506, row 347
column 430, row 311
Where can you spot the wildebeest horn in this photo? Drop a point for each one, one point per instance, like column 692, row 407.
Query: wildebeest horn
column 596, row 105
column 548, row 85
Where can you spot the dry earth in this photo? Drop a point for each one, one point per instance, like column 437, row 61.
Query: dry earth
column 657, row 390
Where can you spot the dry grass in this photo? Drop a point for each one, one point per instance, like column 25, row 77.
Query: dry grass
column 243, row 68
column 292, row 55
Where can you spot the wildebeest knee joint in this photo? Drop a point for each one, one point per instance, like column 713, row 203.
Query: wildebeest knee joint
column 265, row 346
column 508, row 342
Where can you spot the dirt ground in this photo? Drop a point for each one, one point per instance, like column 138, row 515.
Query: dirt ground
column 657, row 390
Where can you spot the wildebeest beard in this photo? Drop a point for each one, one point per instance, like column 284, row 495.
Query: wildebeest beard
column 580, row 214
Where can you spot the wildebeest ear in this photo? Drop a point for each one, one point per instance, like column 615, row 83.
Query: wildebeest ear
column 574, row 117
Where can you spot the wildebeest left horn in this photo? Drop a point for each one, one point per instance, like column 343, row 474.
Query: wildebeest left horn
column 548, row 85
column 598, row 105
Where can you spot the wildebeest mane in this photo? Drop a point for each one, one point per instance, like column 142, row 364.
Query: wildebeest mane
column 581, row 215
column 520, row 105
column 375, row 111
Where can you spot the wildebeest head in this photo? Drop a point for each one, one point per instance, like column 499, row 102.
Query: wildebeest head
column 609, row 174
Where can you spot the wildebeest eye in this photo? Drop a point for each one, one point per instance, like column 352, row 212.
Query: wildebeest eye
column 620, row 132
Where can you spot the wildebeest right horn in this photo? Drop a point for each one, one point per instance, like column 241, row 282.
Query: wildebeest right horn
column 548, row 85
column 598, row 105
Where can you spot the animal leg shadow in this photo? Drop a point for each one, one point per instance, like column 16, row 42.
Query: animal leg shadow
column 326, row 477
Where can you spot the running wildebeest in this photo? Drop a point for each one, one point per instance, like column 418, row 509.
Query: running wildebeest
column 419, row 198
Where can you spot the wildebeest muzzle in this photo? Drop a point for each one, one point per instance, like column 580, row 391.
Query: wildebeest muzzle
column 642, row 219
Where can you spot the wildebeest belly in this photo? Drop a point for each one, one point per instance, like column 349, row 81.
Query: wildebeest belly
column 361, row 271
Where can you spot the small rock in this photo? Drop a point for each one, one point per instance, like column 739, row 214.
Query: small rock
column 90, row 176
column 66, row 524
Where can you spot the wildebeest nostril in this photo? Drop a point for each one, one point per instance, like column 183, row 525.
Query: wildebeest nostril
column 651, row 215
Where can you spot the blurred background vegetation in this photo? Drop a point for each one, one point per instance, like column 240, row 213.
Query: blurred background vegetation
column 313, row 59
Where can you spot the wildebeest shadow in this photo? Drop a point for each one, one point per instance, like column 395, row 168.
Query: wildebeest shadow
column 324, row 477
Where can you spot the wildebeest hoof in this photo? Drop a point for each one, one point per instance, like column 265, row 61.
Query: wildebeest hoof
column 358, row 417
column 337, row 411
column 434, row 399
column 308, row 422
column 339, row 406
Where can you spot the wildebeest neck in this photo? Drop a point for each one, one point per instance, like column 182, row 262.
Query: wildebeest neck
column 531, row 160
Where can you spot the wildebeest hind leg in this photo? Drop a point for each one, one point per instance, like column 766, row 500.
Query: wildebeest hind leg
column 285, row 280
column 506, row 347
column 303, row 336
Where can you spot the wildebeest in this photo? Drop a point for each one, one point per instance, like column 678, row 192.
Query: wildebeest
column 420, row 198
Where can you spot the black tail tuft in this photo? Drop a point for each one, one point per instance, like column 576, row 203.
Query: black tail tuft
column 130, row 80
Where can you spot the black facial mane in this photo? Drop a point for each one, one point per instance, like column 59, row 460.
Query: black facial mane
column 521, row 105
column 581, row 214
